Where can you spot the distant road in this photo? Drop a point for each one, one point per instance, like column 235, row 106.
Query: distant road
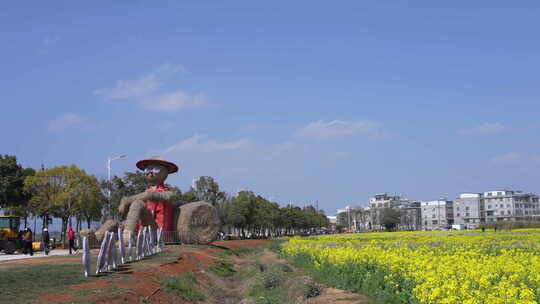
column 39, row 254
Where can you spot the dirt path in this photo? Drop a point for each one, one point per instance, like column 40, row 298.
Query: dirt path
column 223, row 276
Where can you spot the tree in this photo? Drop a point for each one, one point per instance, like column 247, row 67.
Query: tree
column 132, row 183
column 61, row 192
column 12, row 195
column 206, row 189
column 390, row 218
column 90, row 202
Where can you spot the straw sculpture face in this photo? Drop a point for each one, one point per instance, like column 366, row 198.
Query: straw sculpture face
column 155, row 174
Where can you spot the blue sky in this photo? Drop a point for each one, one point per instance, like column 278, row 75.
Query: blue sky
column 298, row 101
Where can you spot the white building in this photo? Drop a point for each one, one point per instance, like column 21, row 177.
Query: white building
column 469, row 210
column 438, row 214
column 508, row 205
column 472, row 209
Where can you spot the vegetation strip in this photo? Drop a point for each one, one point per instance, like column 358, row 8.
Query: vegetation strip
column 427, row 267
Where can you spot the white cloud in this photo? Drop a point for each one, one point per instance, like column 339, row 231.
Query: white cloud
column 341, row 128
column 175, row 101
column 145, row 92
column 484, row 129
column 128, row 89
column 198, row 143
column 65, row 121
column 506, row 158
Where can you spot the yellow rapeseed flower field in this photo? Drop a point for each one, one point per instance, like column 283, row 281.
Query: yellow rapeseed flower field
column 461, row 267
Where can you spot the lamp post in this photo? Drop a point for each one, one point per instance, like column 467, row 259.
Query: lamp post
column 109, row 160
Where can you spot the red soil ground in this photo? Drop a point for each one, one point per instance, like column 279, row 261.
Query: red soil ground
column 145, row 283
column 142, row 285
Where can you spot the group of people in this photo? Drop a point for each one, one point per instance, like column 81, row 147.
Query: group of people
column 26, row 238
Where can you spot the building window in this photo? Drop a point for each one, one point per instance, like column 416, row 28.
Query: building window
column 467, row 214
column 435, row 222
column 467, row 208
column 457, row 214
column 489, row 206
column 507, row 205
column 433, row 215
column 457, row 208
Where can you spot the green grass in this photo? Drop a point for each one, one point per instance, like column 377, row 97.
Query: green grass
column 57, row 274
column 364, row 279
column 183, row 286
column 240, row 251
column 223, row 268
column 269, row 287
column 36, row 279
column 248, row 271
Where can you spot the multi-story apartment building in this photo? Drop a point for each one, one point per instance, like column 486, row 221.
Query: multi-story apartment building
column 437, row 214
column 469, row 210
column 507, row 205
column 348, row 216
column 409, row 212
column 411, row 218
column 386, row 201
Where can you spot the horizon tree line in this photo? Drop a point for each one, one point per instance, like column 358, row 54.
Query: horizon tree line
column 68, row 192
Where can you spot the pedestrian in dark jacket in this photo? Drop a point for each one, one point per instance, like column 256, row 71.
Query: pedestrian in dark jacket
column 46, row 239
column 27, row 237
column 71, row 238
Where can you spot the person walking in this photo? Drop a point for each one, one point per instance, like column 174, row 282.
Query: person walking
column 27, row 237
column 46, row 239
column 71, row 238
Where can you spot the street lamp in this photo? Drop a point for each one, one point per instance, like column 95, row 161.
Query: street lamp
column 109, row 160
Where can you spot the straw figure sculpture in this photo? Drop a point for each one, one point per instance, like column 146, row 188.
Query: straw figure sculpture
column 198, row 223
column 90, row 234
column 108, row 226
column 136, row 209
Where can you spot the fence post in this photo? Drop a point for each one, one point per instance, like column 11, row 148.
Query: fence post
column 86, row 256
column 121, row 248
column 130, row 246
column 139, row 245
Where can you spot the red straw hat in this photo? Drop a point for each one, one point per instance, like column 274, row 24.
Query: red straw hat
column 171, row 167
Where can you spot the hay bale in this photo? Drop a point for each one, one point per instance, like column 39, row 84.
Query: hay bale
column 198, row 223
column 108, row 226
column 90, row 234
